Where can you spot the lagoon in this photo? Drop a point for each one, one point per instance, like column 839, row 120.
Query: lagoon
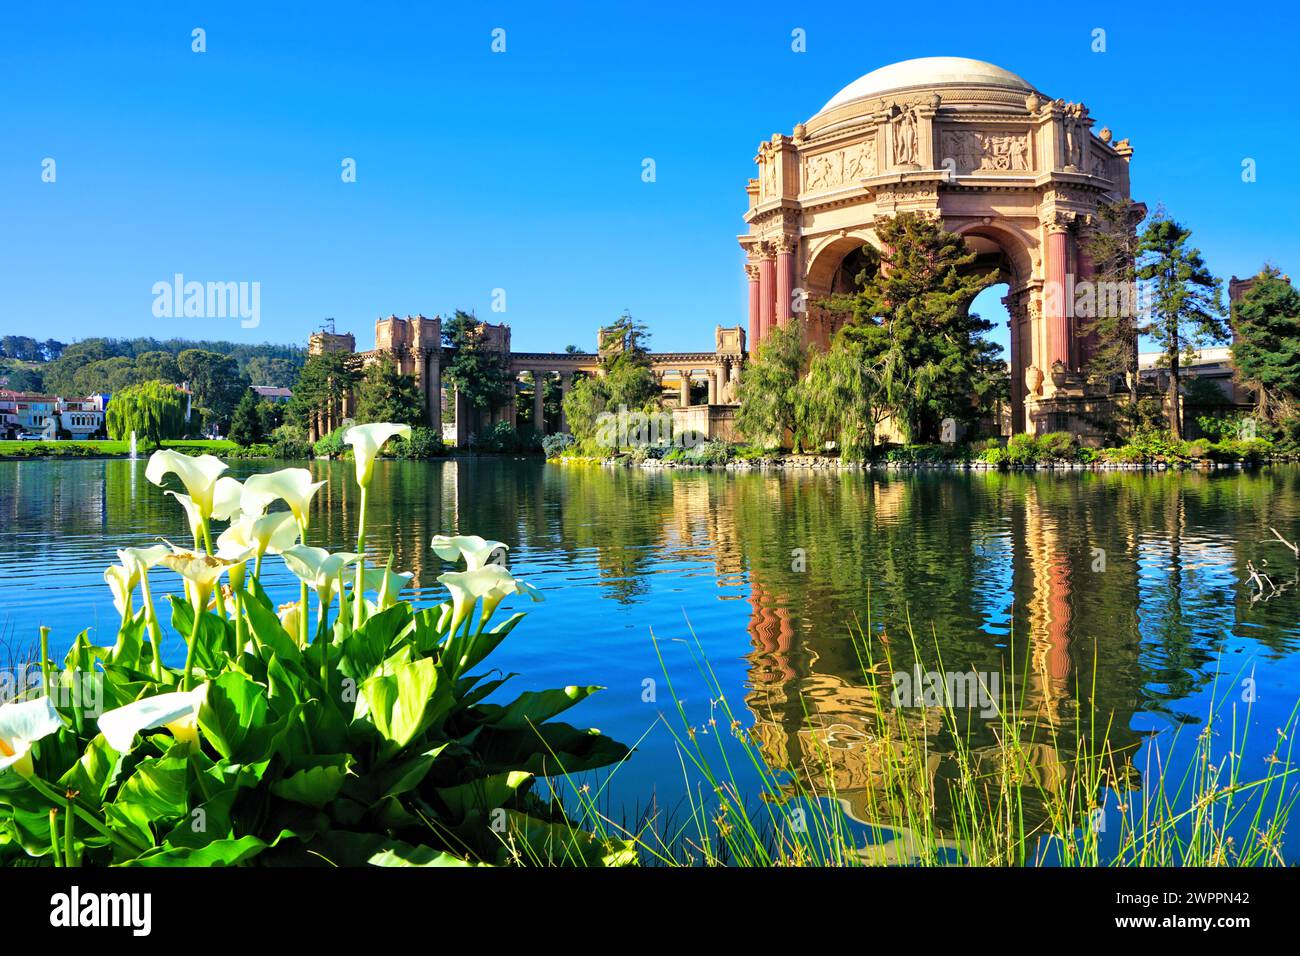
column 1116, row 596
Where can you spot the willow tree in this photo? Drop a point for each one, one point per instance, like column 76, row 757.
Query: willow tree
column 769, row 387
column 844, row 397
column 153, row 410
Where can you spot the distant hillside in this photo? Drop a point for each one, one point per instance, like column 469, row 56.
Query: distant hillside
column 107, row 365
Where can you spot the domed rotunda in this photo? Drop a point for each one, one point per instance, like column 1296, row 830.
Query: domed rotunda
column 1019, row 174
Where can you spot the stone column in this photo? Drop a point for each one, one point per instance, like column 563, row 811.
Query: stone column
column 685, row 388
column 784, row 278
column 539, row 413
column 1055, row 313
column 566, row 382
column 766, row 294
column 751, row 272
column 713, row 386
column 1014, row 306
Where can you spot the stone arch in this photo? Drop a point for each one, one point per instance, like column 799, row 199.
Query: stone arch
column 824, row 261
column 1016, row 267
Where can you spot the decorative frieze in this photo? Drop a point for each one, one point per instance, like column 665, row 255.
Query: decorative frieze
column 837, row 167
column 977, row 150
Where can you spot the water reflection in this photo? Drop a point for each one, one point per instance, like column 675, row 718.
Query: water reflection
column 1116, row 597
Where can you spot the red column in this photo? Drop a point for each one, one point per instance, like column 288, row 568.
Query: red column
column 1054, row 305
column 755, row 332
column 784, row 281
column 766, row 295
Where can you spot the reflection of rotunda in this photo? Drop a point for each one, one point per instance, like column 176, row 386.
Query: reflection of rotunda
column 1020, row 175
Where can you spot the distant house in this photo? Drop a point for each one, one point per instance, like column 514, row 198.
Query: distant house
column 1213, row 364
column 81, row 418
column 25, row 413
column 272, row 393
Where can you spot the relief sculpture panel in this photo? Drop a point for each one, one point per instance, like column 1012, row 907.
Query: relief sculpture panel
column 840, row 166
column 973, row 150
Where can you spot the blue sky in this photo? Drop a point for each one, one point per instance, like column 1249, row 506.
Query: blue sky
column 522, row 171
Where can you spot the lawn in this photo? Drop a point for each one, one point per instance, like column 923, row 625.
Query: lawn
column 89, row 449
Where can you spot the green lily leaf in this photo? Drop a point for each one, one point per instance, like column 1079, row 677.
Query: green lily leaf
column 534, row 707
column 548, row 750
column 476, row 798
column 403, row 854
column 405, row 702
column 233, row 717
column 316, row 785
column 227, row 852
column 155, row 793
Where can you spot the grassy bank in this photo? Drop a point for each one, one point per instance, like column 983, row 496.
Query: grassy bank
column 940, row 786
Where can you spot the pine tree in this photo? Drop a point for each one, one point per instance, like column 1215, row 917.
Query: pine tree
column 386, row 395
column 1266, row 350
column 1113, row 247
column 921, row 296
column 1186, row 302
column 246, row 422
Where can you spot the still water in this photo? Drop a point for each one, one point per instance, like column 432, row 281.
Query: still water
column 1121, row 595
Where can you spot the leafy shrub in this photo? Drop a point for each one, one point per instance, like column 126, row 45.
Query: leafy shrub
column 553, row 446
column 501, row 437
column 711, row 453
column 1022, row 449
column 331, row 445
column 424, row 443
column 1060, row 446
column 995, row 455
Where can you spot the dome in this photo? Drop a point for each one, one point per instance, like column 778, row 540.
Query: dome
column 926, row 73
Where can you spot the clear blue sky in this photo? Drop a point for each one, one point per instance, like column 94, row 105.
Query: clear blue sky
column 522, row 170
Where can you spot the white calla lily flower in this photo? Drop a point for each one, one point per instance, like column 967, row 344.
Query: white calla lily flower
column 122, row 582
column 23, row 723
column 201, row 571
column 492, row 584
column 139, row 560
column 386, row 584
column 198, row 475
column 227, row 498
column 366, row 440
column 476, row 551
column 293, row 486
column 177, row 711
column 318, row 569
column 192, row 513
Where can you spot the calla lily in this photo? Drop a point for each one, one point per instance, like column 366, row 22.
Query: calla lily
column 227, row 498
column 178, row 712
column 386, row 584
column 122, row 582
column 293, row 486
column 22, row 724
column 139, row 560
column 492, row 583
column 317, row 568
column 192, row 513
column 476, row 551
column 269, row 533
column 198, row 475
column 289, row 615
column 366, row 440
column 201, row 571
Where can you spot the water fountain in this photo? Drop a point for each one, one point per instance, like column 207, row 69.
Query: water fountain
column 133, row 454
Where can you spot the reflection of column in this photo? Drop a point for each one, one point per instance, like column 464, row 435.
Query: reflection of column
column 685, row 388
column 1055, row 313
column 433, row 392
column 755, row 332
column 766, row 293
column 784, row 273
column 566, row 380
column 539, row 413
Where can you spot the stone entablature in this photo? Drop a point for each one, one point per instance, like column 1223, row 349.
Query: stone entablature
column 1017, row 172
